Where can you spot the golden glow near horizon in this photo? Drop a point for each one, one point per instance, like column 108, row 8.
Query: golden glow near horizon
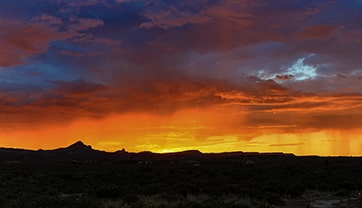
column 307, row 125
column 207, row 130
column 221, row 75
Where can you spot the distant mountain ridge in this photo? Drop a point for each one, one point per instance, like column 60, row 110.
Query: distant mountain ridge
column 78, row 146
column 80, row 152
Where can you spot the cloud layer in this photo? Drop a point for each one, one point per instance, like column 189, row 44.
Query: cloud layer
column 271, row 67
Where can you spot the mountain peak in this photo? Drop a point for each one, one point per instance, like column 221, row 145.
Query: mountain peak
column 79, row 142
column 79, row 145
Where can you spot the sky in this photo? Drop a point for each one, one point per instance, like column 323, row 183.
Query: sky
column 173, row 75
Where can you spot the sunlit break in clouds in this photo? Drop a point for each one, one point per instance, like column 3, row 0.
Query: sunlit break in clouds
column 164, row 76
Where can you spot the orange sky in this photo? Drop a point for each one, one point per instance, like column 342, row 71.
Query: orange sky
column 162, row 75
column 212, row 129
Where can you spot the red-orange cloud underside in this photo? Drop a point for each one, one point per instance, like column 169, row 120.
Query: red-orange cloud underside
column 212, row 129
column 220, row 75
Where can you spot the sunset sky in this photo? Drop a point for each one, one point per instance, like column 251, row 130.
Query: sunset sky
column 172, row 75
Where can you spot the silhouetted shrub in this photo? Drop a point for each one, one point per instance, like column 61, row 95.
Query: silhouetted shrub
column 130, row 199
column 74, row 185
column 343, row 192
column 273, row 199
column 108, row 192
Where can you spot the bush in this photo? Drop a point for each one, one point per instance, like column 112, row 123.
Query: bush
column 108, row 192
column 273, row 199
column 130, row 199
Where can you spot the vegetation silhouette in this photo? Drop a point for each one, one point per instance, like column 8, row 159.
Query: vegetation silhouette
column 78, row 176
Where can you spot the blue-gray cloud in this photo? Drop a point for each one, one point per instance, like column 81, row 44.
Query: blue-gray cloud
column 209, row 47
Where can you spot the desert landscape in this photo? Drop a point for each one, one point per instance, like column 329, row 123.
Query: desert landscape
column 180, row 103
column 79, row 176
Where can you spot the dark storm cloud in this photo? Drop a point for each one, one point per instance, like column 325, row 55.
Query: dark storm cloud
column 77, row 87
column 97, row 57
column 19, row 41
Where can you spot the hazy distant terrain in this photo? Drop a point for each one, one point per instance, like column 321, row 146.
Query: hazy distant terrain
column 186, row 179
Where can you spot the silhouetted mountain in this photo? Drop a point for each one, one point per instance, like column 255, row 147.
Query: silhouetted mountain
column 186, row 155
column 79, row 146
column 79, row 152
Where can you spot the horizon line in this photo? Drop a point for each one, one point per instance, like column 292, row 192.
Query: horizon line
column 170, row 152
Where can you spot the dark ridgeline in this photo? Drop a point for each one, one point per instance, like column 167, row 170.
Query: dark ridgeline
column 79, row 152
column 80, row 176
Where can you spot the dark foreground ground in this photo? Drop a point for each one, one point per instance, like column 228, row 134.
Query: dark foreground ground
column 261, row 181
